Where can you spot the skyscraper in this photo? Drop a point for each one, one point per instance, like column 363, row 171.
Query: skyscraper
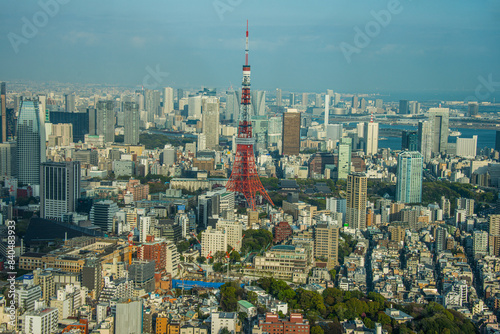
column 8, row 160
column 327, row 109
column 371, row 138
column 105, row 119
column 258, row 98
column 30, row 143
column 326, row 244
column 291, row 132
column 344, row 164
column 334, row 131
column 473, row 108
column 497, row 141
column 168, row 100
column 152, row 102
column 439, row 118
column 194, row 106
column 232, row 106
column 356, row 200
column 3, row 110
column 132, row 121
column 305, row 99
column 404, row 107
column 467, row 147
column 355, row 102
column 278, row 97
column 211, row 122
column 102, row 213
column 69, row 102
column 409, row 173
column 292, row 100
column 409, row 141
column 425, row 139
column 317, row 101
column 59, row 188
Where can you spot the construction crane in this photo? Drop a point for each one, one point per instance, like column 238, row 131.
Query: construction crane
column 130, row 244
column 228, row 254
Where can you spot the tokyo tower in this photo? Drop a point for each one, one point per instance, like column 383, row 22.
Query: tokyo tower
column 244, row 177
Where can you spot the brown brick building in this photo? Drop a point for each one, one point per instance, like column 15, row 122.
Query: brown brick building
column 282, row 231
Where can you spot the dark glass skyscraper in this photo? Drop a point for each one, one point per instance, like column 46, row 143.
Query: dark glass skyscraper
column 59, row 188
column 30, row 143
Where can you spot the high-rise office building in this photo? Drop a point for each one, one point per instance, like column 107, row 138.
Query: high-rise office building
column 258, row 98
column 194, row 106
column 440, row 239
column 232, row 105
column 3, row 111
column 379, row 103
column 356, row 200
column 305, row 99
column 467, row 147
column 355, row 102
column 69, row 102
column 362, row 104
column 278, row 97
column 30, row 143
column 105, row 120
column 132, row 121
column 8, row 160
column 274, row 131
column 326, row 244
column 59, row 188
column 79, row 120
column 409, row 174
column 327, row 109
column 497, row 141
column 371, row 138
column 344, row 162
column 334, row 132
column 129, row 316
column 409, row 141
column 473, row 108
column 102, row 213
column 317, row 101
column 414, row 107
column 494, row 232
column 211, row 123
column 404, row 107
column 291, row 132
column 439, row 118
column 152, row 104
column 168, row 100
column 291, row 100
column 425, row 139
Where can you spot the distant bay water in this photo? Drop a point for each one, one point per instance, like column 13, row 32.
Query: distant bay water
column 485, row 138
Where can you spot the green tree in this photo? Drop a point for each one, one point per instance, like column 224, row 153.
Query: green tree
column 317, row 330
column 234, row 257
column 242, row 316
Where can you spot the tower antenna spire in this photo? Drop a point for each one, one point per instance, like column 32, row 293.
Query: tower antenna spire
column 244, row 177
column 246, row 47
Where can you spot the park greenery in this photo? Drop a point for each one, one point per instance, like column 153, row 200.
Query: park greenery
column 255, row 240
column 335, row 305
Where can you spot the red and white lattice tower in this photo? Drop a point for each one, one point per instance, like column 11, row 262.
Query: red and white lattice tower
column 244, row 177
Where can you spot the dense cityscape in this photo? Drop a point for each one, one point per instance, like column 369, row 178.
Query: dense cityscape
column 168, row 210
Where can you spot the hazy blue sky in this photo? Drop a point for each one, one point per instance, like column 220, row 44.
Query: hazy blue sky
column 295, row 45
